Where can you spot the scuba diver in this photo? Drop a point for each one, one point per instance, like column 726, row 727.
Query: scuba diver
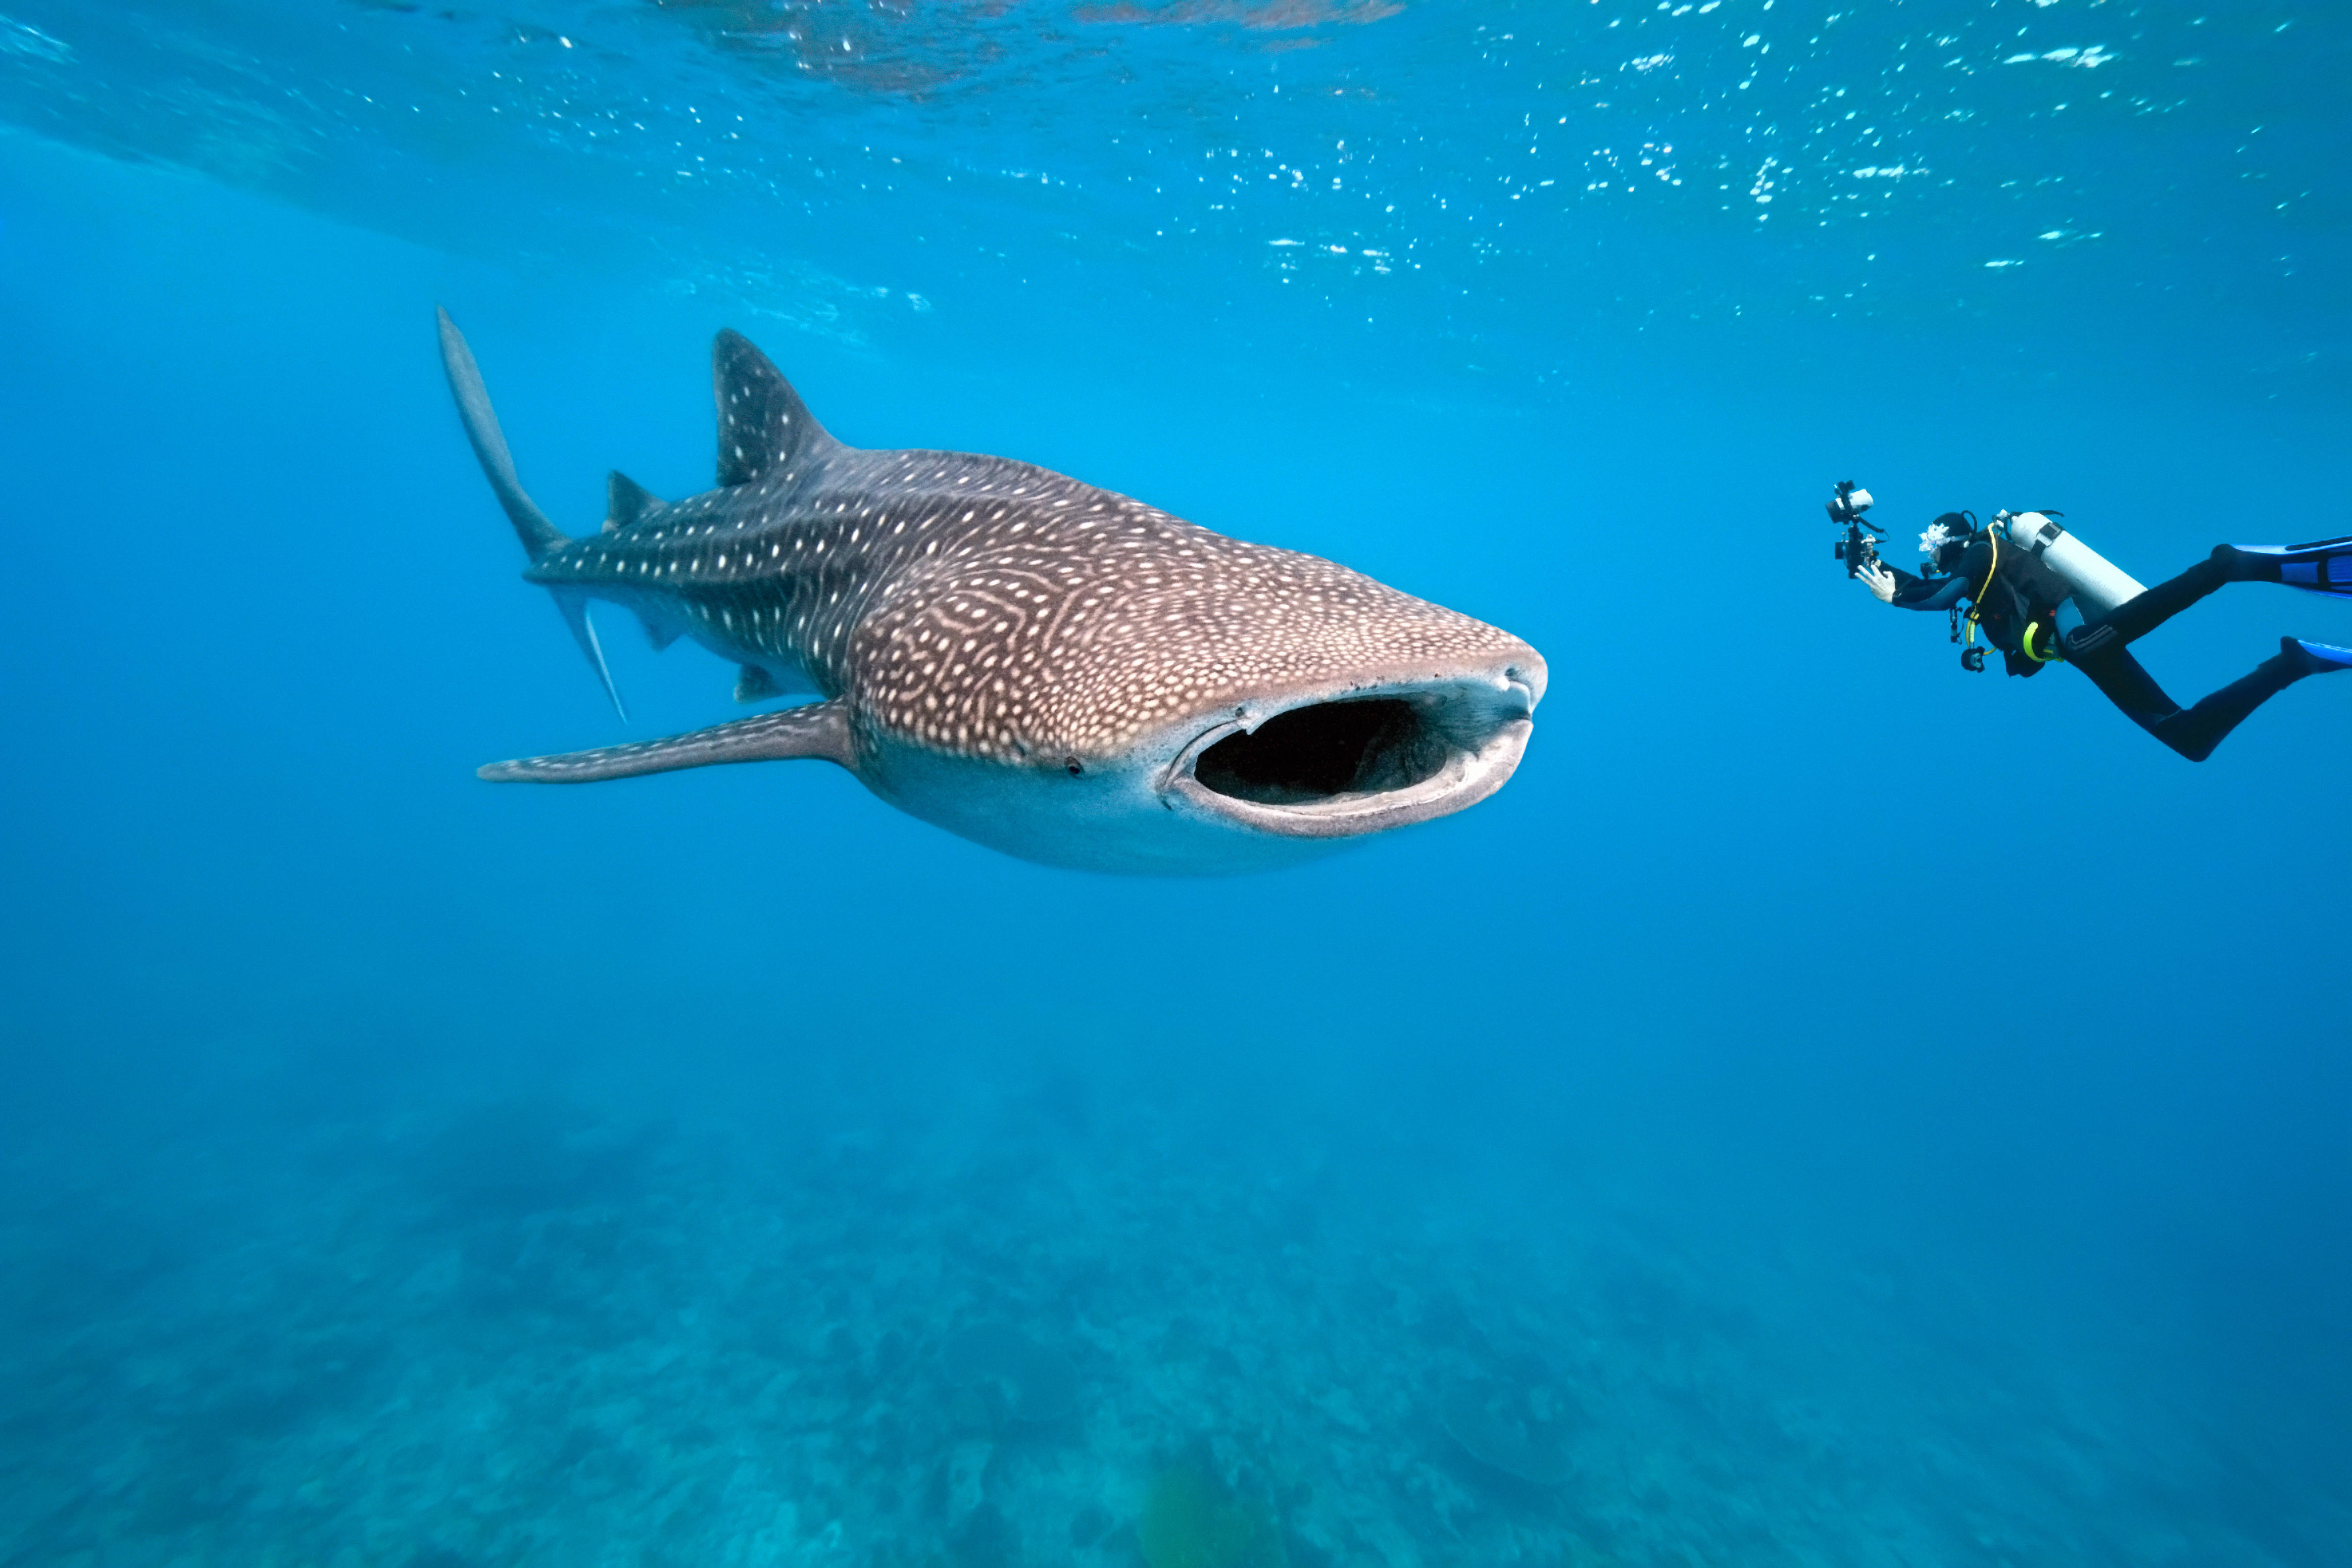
column 2042, row 596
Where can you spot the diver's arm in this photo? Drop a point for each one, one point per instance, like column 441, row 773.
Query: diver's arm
column 1897, row 587
column 1927, row 593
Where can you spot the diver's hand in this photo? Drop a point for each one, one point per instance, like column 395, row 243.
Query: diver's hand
column 1879, row 581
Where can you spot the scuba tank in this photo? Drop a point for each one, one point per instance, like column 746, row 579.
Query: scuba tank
column 2099, row 585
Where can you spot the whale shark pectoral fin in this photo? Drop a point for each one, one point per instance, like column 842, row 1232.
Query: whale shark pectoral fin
column 763, row 423
column 815, row 729
column 659, row 636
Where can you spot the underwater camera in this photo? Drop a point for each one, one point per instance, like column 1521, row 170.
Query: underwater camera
column 1859, row 548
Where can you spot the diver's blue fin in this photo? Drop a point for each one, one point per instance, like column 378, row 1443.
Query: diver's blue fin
column 2321, row 565
column 583, row 632
column 2318, row 657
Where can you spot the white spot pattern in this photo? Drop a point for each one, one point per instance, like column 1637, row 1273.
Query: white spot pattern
column 992, row 609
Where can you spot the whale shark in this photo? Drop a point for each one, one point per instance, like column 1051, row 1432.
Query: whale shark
column 1053, row 671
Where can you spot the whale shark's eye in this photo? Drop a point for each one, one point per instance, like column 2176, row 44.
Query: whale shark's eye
column 1359, row 747
column 1075, row 766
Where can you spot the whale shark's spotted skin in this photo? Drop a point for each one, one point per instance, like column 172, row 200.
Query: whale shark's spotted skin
column 949, row 581
column 957, row 610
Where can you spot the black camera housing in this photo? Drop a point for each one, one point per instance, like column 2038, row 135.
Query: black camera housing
column 1859, row 548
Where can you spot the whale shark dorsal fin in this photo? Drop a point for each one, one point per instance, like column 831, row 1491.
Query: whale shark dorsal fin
column 763, row 423
column 626, row 502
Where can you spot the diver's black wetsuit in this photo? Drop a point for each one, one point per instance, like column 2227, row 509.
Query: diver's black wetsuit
column 2013, row 590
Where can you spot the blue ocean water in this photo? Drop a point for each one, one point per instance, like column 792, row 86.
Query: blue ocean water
column 1829, row 1108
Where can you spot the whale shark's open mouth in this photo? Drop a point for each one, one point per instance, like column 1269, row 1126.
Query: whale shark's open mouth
column 1361, row 761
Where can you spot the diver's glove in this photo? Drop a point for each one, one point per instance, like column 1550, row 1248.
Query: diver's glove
column 1879, row 581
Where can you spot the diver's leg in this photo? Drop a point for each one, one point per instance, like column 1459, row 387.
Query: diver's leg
column 2122, row 680
column 2194, row 731
column 2136, row 617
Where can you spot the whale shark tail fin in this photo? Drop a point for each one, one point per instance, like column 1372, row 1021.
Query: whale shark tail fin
column 574, row 610
column 530, row 525
column 539, row 535
column 764, row 426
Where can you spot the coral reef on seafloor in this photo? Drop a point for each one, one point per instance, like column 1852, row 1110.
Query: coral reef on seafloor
column 528, row 1333
column 1031, row 1382
column 1495, row 1427
column 1192, row 1520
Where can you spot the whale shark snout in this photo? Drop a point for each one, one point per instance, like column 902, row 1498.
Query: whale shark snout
column 1371, row 758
